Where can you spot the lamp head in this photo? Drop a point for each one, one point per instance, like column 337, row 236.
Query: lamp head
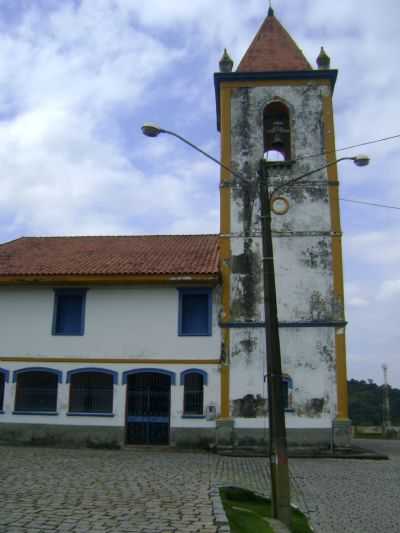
column 361, row 160
column 151, row 130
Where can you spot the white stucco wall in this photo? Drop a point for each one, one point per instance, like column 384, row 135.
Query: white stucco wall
column 135, row 322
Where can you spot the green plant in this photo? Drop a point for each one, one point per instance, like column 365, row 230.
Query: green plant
column 248, row 513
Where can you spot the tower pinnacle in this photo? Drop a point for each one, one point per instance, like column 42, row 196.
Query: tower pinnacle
column 323, row 60
column 226, row 63
column 270, row 10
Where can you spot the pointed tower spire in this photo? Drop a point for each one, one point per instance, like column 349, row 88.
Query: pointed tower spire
column 273, row 49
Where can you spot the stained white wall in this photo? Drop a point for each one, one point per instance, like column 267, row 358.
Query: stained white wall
column 119, row 322
column 303, row 258
column 307, row 358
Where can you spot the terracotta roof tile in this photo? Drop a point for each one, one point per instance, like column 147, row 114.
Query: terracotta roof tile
column 126, row 255
column 273, row 49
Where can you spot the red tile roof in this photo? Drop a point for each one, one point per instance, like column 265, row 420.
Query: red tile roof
column 98, row 256
column 273, row 49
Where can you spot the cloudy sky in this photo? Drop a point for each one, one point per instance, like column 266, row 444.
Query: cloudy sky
column 79, row 77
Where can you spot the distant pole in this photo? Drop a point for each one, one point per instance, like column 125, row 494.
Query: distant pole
column 386, row 424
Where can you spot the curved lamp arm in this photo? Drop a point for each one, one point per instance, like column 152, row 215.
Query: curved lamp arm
column 153, row 130
column 359, row 160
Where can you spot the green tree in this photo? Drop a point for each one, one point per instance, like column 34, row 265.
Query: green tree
column 366, row 401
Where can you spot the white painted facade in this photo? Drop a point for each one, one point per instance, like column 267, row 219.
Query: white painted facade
column 121, row 322
column 126, row 321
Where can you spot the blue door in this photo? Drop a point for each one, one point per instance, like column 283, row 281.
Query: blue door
column 148, row 408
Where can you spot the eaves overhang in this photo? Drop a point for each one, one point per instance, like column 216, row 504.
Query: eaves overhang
column 78, row 280
column 275, row 76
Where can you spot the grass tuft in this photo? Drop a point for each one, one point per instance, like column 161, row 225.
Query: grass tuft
column 248, row 513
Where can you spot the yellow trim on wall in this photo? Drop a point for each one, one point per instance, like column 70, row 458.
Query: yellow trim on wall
column 207, row 279
column 337, row 260
column 110, row 361
column 225, row 249
column 265, row 83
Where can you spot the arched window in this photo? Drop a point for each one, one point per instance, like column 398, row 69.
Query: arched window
column 3, row 380
column 36, row 390
column 193, row 395
column 277, row 141
column 91, row 391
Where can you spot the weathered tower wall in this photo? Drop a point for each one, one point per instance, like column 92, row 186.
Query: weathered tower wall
column 307, row 262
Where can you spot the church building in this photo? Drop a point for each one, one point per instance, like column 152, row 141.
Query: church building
column 108, row 341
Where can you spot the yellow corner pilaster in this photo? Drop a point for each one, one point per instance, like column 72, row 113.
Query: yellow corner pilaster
column 337, row 260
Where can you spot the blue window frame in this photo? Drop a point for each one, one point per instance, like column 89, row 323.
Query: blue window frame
column 193, row 381
column 127, row 373
column 3, row 381
column 287, row 391
column 195, row 312
column 91, row 391
column 36, row 390
column 69, row 311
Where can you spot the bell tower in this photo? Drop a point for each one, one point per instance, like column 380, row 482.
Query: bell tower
column 276, row 107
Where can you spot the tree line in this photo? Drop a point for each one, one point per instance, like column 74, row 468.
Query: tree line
column 366, row 403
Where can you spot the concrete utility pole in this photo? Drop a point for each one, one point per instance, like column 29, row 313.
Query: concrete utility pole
column 386, row 423
column 279, row 466
column 280, row 482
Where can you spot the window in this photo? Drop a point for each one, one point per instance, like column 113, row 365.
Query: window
column 285, row 393
column 36, row 390
column 194, row 312
column 91, row 391
column 287, row 388
column 193, row 395
column 3, row 378
column 277, row 132
column 69, row 311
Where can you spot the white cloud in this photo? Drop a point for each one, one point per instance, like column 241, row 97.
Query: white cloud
column 60, row 88
column 356, row 296
column 389, row 289
column 376, row 247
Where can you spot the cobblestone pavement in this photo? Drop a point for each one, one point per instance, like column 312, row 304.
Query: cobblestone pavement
column 351, row 496
column 45, row 490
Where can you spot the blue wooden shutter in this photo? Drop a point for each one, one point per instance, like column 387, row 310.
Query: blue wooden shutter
column 69, row 314
column 195, row 314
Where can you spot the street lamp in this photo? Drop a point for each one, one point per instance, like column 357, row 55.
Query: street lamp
column 278, row 447
column 153, row 130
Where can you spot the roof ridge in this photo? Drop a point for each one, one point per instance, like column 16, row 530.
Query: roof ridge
column 113, row 236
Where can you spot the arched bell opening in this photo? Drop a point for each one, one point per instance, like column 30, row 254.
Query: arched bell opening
column 277, row 134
